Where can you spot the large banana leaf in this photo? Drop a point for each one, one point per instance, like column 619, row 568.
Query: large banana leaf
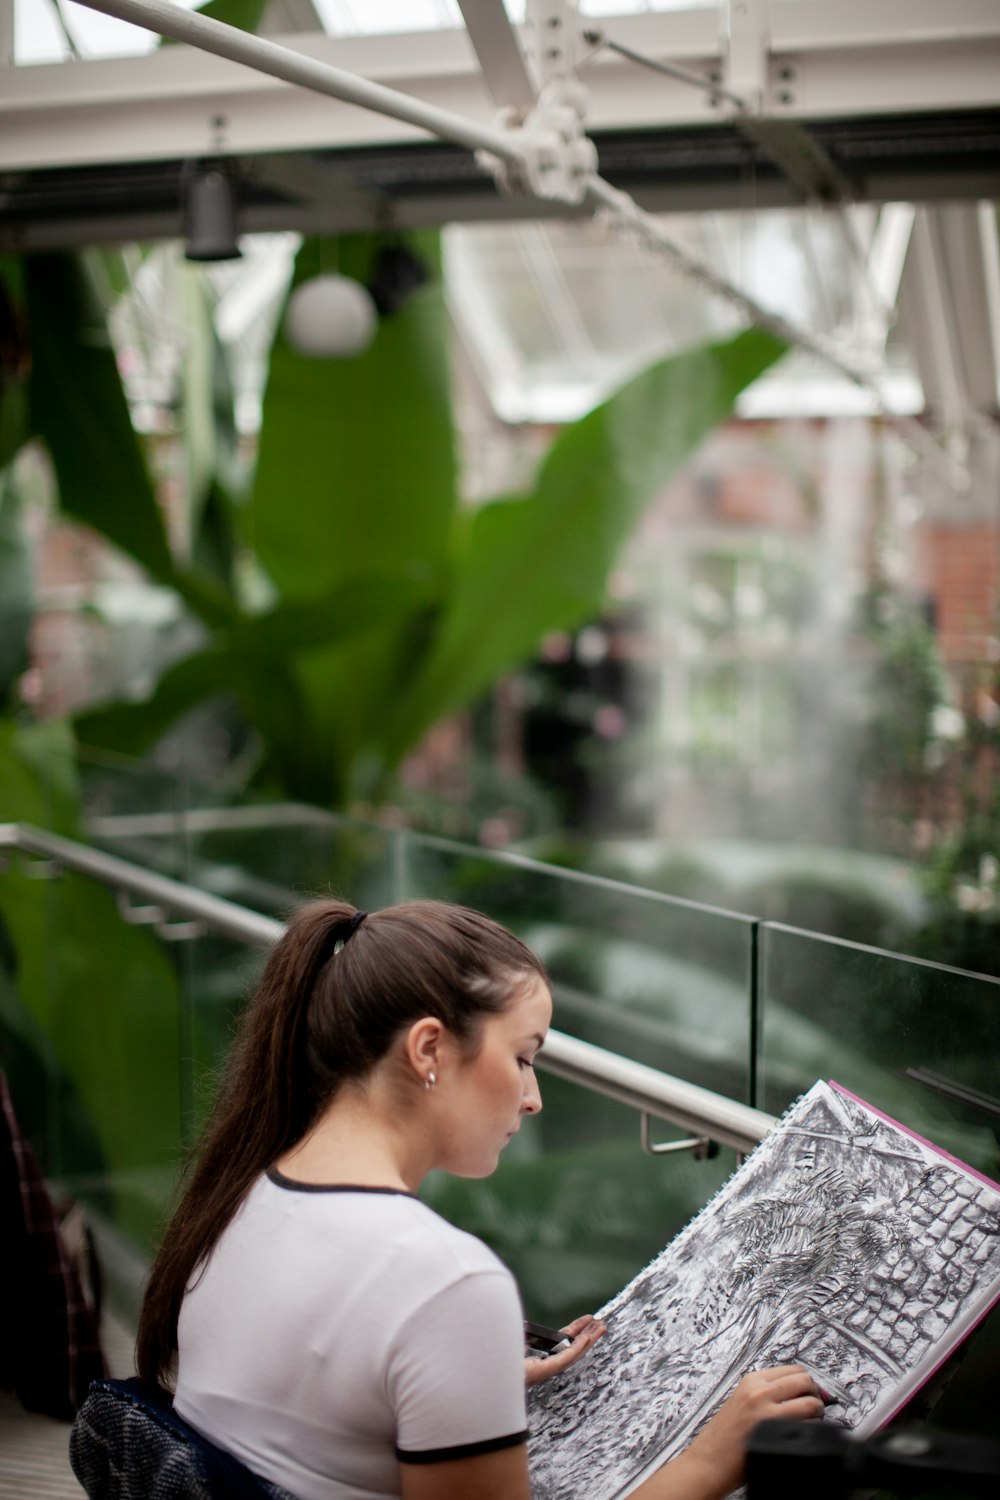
column 356, row 473
column 78, row 408
column 541, row 563
column 102, row 992
column 354, row 504
column 210, row 435
column 356, row 477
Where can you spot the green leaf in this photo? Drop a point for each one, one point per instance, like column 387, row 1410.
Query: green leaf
column 37, row 775
column 15, row 361
column 79, row 408
column 356, row 477
column 131, row 728
column 17, row 601
column 541, row 563
column 255, row 662
column 103, row 994
column 210, row 435
column 245, row 15
column 356, row 470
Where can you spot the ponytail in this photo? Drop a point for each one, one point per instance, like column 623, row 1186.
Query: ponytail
column 336, row 990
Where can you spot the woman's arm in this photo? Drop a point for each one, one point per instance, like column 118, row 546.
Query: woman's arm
column 713, row 1466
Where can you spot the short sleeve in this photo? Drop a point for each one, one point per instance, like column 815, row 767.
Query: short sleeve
column 456, row 1372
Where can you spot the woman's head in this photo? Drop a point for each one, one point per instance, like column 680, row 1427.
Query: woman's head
column 337, row 998
column 337, row 994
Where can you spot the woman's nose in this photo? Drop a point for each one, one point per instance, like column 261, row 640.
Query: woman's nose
column 532, row 1102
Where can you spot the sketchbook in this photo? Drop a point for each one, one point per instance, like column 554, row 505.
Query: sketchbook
column 844, row 1242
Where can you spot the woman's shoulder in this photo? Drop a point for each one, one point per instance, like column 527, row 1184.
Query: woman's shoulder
column 398, row 1222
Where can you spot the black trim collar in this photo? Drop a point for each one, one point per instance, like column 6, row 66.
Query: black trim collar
column 291, row 1185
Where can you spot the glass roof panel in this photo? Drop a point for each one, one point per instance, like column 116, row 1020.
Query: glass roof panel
column 47, row 31
column 379, row 17
column 55, row 30
column 556, row 314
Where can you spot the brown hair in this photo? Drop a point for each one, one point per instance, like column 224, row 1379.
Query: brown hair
column 322, row 1014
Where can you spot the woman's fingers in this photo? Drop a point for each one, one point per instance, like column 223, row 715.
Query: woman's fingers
column 581, row 1325
column 584, row 1333
column 787, row 1389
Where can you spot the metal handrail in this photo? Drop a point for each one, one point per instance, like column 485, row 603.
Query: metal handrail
column 295, row 814
column 684, row 1104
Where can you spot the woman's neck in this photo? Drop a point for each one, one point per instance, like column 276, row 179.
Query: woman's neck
column 353, row 1145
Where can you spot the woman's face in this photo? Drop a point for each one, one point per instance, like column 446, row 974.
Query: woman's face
column 482, row 1098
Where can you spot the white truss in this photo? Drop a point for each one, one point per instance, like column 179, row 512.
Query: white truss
column 830, row 58
column 767, row 67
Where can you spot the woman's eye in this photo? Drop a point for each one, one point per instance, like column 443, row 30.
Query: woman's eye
column 526, row 1062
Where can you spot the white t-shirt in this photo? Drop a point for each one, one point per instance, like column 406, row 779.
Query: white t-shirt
column 336, row 1331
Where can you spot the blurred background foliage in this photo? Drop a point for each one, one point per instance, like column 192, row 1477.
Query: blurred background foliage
column 327, row 604
column 629, row 682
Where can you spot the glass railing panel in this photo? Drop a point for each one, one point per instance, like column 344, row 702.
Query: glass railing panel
column 576, row 1209
column 290, row 854
column 267, row 857
column 118, row 786
column 660, row 980
column 918, row 1040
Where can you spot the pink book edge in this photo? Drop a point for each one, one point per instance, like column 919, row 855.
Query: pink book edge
column 972, row 1172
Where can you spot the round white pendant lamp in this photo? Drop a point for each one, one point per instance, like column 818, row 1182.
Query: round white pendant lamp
column 330, row 317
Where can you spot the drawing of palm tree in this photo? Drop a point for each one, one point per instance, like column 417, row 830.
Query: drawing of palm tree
column 796, row 1257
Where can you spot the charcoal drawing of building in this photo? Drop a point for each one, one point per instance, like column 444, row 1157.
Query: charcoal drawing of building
column 844, row 1243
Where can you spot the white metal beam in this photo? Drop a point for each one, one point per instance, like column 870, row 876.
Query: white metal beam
column 7, row 32
column 499, row 53
column 930, row 311
column 553, row 27
column 887, row 251
column 746, row 48
column 291, row 66
column 826, row 60
column 989, row 233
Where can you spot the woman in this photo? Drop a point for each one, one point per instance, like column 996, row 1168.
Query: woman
column 329, row 1328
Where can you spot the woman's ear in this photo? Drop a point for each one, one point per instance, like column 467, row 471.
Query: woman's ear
column 423, row 1047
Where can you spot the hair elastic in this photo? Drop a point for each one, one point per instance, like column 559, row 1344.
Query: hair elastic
column 339, row 934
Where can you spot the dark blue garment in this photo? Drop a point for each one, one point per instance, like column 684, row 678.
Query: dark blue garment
column 127, row 1444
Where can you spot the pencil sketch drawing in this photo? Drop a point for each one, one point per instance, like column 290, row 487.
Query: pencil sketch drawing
column 842, row 1242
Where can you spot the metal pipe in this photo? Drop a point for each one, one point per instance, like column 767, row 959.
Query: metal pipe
column 687, row 1105
column 294, row 67
column 288, row 814
column 222, row 916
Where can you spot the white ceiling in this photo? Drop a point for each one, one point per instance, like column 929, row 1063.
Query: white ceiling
column 559, row 305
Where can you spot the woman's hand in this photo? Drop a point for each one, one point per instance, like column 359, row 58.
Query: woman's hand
column 719, row 1450
column 584, row 1333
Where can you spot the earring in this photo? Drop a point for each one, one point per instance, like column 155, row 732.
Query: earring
column 430, row 1081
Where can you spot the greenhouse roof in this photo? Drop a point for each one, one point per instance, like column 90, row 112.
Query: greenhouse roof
column 831, row 162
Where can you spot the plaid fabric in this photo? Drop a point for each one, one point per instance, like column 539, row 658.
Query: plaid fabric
column 129, row 1445
column 51, row 1349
